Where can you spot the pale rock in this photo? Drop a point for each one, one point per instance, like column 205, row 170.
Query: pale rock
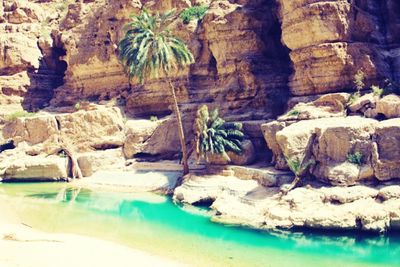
column 389, row 192
column 137, row 132
column 38, row 168
column 18, row 51
column 95, row 129
column 386, row 153
column 106, row 160
column 269, row 131
column 329, row 105
column 389, row 106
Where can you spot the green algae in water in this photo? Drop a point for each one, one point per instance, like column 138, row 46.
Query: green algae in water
column 153, row 223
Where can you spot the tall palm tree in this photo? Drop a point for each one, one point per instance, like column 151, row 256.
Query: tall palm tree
column 149, row 49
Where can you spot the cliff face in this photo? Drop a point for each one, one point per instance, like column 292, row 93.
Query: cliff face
column 240, row 60
column 331, row 40
column 248, row 53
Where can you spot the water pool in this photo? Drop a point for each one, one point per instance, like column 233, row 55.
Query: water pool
column 153, row 223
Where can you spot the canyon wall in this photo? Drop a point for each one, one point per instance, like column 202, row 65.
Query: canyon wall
column 251, row 56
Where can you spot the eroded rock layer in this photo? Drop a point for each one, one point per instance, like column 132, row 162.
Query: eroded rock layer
column 331, row 40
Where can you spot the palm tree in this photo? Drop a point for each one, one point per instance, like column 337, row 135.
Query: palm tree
column 149, row 49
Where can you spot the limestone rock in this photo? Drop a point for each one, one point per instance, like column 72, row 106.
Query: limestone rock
column 18, row 51
column 137, row 132
column 38, row 168
column 269, row 130
column 329, row 105
column 107, row 160
column 33, row 130
column 94, row 129
column 243, row 202
column 328, row 142
column 389, row 106
column 386, row 155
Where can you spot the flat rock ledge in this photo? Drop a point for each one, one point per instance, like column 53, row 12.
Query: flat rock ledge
column 247, row 203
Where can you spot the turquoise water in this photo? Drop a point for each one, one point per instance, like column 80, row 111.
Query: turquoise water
column 154, row 224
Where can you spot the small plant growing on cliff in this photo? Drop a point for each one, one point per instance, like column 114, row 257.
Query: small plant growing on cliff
column 215, row 136
column 293, row 113
column 377, row 91
column 19, row 114
column 355, row 158
column 149, row 49
column 77, row 106
column 194, row 12
column 359, row 78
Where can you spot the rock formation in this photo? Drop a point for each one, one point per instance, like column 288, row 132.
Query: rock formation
column 284, row 68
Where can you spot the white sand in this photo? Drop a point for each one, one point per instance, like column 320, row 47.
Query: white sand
column 25, row 247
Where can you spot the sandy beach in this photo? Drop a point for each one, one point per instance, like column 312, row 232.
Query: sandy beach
column 22, row 246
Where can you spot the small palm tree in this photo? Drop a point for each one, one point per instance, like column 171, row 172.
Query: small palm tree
column 149, row 49
column 215, row 136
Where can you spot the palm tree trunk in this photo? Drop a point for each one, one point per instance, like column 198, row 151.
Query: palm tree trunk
column 180, row 129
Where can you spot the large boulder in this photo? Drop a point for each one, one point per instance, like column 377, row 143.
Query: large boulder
column 326, row 106
column 37, row 168
column 269, row 131
column 389, row 106
column 137, row 132
column 94, row 129
column 32, row 130
column 328, row 142
column 103, row 160
column 386, row 156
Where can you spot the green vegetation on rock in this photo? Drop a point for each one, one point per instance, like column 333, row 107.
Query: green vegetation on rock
column 355, row 158
column 19, row 114
column 194, row 12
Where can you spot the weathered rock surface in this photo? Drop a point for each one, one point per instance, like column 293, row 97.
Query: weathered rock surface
column 245, row 202
column 36, row 168
column 386, row 153
column 84, row 130
column 327, row 143
column 332, row 40
column 389, row 106
column 106, row 160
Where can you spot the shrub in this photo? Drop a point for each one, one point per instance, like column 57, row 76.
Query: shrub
column 353, row 98
column 153, row 118
column 194, row 12
column 377, row 91
column 19, row 114
column 359, row 80
column 77, row 106
column 355, row 158
column 215, row 136
column 293, row 112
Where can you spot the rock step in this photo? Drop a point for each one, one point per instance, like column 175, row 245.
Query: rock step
column 266, row 176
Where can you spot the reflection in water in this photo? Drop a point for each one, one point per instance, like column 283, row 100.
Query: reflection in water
column 142, row 219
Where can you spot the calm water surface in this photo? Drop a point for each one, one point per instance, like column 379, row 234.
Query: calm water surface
column 154, row 224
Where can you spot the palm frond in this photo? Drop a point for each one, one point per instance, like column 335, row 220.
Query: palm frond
column 148, row 47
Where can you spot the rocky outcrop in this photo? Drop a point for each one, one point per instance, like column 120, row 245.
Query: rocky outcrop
column 246, row 203
column 20, row 167
column 343, row 151
column 331, row 40
column 83, row 130
column 239, row 58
